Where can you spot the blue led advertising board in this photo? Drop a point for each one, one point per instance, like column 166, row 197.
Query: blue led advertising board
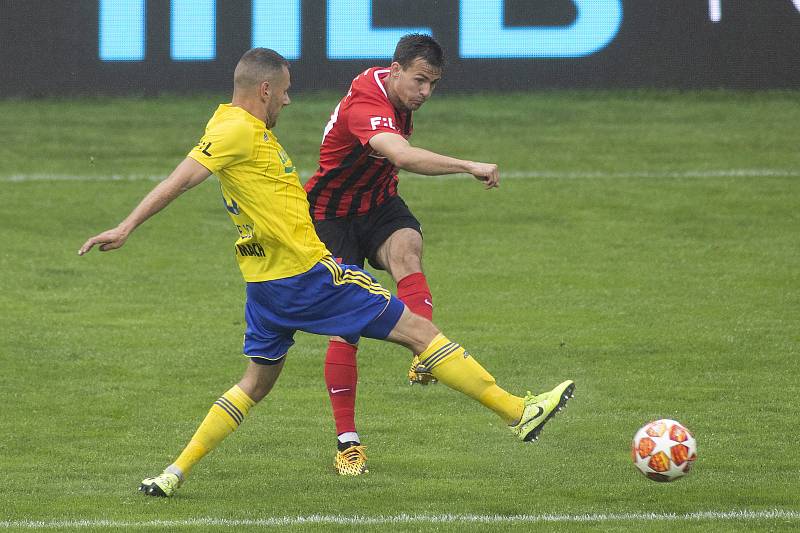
column 151, row 46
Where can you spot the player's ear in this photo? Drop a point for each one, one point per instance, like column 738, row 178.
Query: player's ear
column 394, row 69
column 264, row 90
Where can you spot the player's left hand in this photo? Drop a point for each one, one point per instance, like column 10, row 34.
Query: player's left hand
column 488, row 173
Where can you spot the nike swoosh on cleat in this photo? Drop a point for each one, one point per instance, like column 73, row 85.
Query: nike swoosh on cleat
column 537, row 415
column 334, row 391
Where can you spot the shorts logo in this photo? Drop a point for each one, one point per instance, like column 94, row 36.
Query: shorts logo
column 233, row 207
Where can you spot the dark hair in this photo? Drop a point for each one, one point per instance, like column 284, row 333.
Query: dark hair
column 418, row 46
column 258, row 64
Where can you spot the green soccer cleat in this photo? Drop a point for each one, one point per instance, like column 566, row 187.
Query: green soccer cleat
column 163, row 485
column 541, row 408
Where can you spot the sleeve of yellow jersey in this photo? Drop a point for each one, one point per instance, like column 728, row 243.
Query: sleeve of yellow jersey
column 223, row 145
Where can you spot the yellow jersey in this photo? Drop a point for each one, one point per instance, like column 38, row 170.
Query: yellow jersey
column 262, row 194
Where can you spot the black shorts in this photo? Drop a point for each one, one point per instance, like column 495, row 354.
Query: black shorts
column 353, row 239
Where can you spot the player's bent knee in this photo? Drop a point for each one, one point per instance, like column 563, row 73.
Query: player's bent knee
column 259, row 379
column 408, row 248
column 413, row 332
column 412, row 263
column 402, row 253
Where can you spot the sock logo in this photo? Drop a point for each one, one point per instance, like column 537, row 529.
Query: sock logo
column 334, row 391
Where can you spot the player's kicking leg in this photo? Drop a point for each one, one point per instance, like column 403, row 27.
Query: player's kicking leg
column 222, row 419
column 449, row 363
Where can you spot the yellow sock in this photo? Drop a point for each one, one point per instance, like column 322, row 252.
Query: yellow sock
column 222, row 419
column 453, row 366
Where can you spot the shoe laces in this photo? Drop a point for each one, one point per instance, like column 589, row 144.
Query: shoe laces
column 419, row 373
column 354, row 454
column 421, row 369
column 352, row 461
column 169, row 479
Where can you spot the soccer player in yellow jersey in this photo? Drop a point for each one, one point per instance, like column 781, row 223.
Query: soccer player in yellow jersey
column 292, row 281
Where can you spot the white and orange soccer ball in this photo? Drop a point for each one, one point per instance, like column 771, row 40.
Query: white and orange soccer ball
column 664, row 450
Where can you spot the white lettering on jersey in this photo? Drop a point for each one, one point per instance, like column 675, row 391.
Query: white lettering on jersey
column 381, row 121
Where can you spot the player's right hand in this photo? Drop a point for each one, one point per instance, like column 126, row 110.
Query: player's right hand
column 108, row 240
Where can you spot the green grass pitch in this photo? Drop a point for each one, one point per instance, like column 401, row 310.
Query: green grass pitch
column 644, row 244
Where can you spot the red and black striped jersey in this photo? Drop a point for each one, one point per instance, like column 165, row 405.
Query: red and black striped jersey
column 352, row 178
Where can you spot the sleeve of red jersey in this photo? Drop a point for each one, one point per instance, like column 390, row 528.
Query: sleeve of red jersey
column 370, row 117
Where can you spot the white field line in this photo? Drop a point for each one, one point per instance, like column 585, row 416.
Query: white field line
column 743, row 515
column 645, row 174
column 514, row 174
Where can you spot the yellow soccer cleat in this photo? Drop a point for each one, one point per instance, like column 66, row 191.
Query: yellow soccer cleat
column 419, row 374
column 163, row 485
column 541, row 408
column 351, row 461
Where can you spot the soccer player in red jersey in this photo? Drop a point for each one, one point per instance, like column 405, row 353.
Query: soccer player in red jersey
column 358, row 214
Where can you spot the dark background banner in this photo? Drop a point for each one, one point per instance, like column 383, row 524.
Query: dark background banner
column 54, row 47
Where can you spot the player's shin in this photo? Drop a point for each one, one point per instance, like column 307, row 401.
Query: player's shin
column 453, row 366
column 413, row 290
column 222, row 419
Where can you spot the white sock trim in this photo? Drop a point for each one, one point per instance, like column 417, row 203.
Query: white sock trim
column 172, row 469
column 349, row 436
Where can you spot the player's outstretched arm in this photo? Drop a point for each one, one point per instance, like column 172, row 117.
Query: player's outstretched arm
column 402, row 155
column 185, row 176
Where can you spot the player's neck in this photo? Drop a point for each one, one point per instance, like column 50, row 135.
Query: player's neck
column 252, row 106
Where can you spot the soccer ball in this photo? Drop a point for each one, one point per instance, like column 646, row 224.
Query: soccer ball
column 664, row 450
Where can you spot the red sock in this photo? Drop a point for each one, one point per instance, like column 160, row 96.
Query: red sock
column 341, row 376
column 413, row 290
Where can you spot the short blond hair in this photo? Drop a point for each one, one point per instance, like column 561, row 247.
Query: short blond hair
column 258, row 65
